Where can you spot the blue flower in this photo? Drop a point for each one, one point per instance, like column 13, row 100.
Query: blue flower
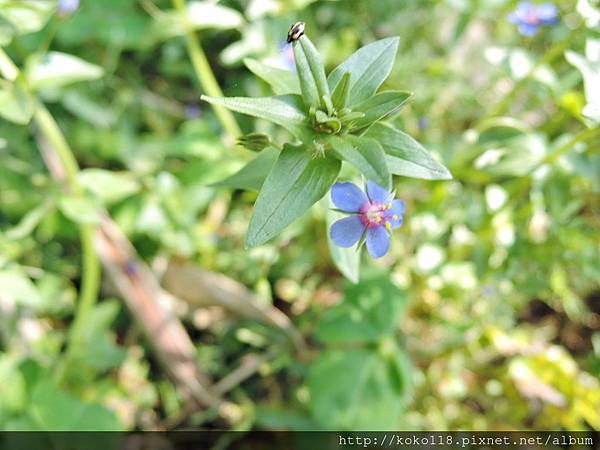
column 192, row 111
column 67, row 7
column 287, row 56
column 530, row 17
column 374, row 214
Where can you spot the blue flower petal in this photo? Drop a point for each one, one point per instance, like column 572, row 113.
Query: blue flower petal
column 347, row 232
column 524, row 9
column 548, row 13
column 395, row 213
column 67, row 7
column 528, row 30
column 378, row 194
column 378, row 241
column 348, row 197
column 515, row 18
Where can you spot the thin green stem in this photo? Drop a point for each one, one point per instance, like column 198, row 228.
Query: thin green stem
column 90, row 270
column 580, row 137
column 205, row 74
column 52, row 132
column 90, row 275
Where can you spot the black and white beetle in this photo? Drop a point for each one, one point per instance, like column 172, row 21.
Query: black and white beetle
column 296, row 31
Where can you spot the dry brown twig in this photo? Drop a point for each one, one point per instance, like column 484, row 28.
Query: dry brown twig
column 148, row 302
column 201, row 288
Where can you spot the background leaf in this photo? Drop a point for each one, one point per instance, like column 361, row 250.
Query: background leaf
column 109, row 186
column 370, row 311
column 199, row 15
column 79, row 209
column 25, row 16
column 55, row 69
column 55, row 410
column 282, row 81
column 362, row 388
column 16, row 104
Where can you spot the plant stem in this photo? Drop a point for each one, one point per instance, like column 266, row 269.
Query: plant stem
column 90, row 277
column 90, row 271
column 205, row 74
column 580, row 137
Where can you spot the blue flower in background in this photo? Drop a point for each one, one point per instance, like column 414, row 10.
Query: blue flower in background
column 287, row 56
column 530, row 17
column 374, row 213
column 192, row 111
column 67, row 7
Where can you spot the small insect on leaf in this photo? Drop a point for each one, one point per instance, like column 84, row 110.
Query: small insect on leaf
column 296, row 31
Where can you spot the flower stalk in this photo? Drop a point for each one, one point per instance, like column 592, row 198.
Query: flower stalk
column 205, row 74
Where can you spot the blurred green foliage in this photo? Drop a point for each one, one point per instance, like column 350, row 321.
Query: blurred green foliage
column 492, row 288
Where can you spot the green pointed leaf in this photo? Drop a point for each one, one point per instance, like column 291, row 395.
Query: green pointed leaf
column 380, row 106
column 283, row 110
column 55, row 69
column 340, row 93
column 308, row 85
column 252, row 176
column 370, row 66
column 405, row 156
column 365, row 154
column 296, row 182
column 326, row 100
column 282, row 81
column 316, row 66
column 347, row 260
column 80, row 210
column 25, row 16
column 16, row 105
column 17, row 285
column 109, row 186
column 30, row 220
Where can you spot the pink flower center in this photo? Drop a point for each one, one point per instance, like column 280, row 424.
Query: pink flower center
column 373, row 215
column 532, row 18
